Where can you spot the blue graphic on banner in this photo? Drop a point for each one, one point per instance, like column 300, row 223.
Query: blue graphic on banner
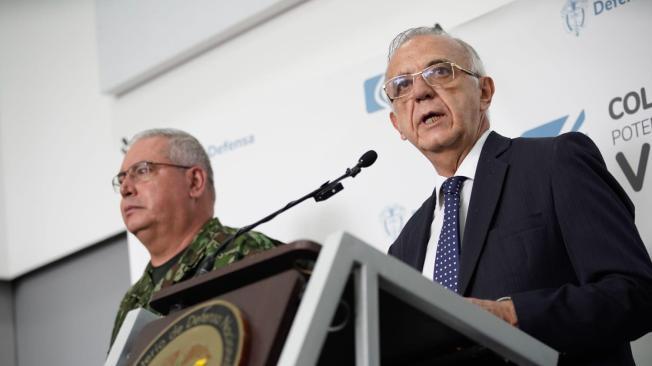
column 574, row 15
column 602, row 6
column 576, row 12
column 229, row 145
column 554, row 128
column 393, row 219
column 374, row 95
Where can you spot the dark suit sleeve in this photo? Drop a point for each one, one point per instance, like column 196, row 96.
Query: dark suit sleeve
column 612, row 301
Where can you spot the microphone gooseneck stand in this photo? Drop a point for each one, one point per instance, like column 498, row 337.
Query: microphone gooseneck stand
column 324, row 192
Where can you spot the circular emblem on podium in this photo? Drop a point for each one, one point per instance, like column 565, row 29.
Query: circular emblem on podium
column 210, row 334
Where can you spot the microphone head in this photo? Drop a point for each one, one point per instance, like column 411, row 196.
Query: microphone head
column 367, row 159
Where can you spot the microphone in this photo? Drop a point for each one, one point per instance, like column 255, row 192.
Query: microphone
column 324, row 192
column 329, row 189
column 365, row 161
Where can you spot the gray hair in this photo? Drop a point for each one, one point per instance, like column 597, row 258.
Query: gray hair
column 476, row 63
column 183, row 149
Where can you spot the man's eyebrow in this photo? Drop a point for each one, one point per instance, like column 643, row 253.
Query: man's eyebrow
column 433, row 62
column 437, row 61
column 133, row 165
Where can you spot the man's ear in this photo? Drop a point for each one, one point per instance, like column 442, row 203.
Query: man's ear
column 394, row 119
column 197, row 181
column 487, row 90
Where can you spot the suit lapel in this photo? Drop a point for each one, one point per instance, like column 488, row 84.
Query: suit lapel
column 487, row 187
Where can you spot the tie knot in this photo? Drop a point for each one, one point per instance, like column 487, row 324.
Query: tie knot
column 452, row 185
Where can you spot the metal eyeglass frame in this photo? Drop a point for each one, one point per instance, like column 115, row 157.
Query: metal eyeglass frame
column 120, row 177
column 452, row 64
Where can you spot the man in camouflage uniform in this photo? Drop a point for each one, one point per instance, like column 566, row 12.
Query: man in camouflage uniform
column 166, row 184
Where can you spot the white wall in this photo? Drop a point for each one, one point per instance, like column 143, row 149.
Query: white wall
column 56, row 146
column 52, row 325
column 140, row 39
column 309, row 41
column 289, row 82
column 59, row 140
column 7, row 328
column 4, row 248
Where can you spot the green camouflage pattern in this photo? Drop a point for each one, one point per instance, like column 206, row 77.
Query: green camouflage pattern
column 205, row 243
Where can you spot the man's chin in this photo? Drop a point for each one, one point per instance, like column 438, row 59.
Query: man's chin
column 135, row 227
column 438, row 143
column 432, row 147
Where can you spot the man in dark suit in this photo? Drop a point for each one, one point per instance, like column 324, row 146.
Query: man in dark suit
column 536, row 231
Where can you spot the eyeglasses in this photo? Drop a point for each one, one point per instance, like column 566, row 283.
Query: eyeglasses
column 435, row 75
column 139, row 172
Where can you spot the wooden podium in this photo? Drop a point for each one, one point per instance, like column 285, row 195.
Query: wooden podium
column 357, row 306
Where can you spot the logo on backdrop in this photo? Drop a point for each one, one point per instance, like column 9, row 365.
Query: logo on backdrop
column 393, row 219
column 574, row 15
column 229, row 145
column 374, row 95
column 575, row 12
column 125, row 145
column 630, row 110
column 634, row 127
column 211, row 149
column 556, row 127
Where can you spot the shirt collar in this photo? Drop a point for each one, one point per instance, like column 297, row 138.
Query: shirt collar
column 469, row 164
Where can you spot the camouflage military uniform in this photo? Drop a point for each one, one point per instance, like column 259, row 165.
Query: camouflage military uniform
column 205, row 243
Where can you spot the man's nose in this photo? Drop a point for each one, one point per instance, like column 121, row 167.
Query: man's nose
column 127, row 188
column 421, row 90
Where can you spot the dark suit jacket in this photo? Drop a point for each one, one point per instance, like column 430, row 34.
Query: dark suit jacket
column 549, row 226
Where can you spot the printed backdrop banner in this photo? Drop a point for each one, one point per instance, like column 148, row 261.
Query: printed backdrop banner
column 582, row 66
column 558, row 66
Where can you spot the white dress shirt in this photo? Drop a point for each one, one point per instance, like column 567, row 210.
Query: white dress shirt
column 466, row 169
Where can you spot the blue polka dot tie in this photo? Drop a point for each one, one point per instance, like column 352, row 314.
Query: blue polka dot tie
column 447, row 257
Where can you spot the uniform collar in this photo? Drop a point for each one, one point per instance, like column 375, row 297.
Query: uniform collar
column 208, row 234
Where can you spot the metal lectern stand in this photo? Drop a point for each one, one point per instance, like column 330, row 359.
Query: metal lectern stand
column 373, row 272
